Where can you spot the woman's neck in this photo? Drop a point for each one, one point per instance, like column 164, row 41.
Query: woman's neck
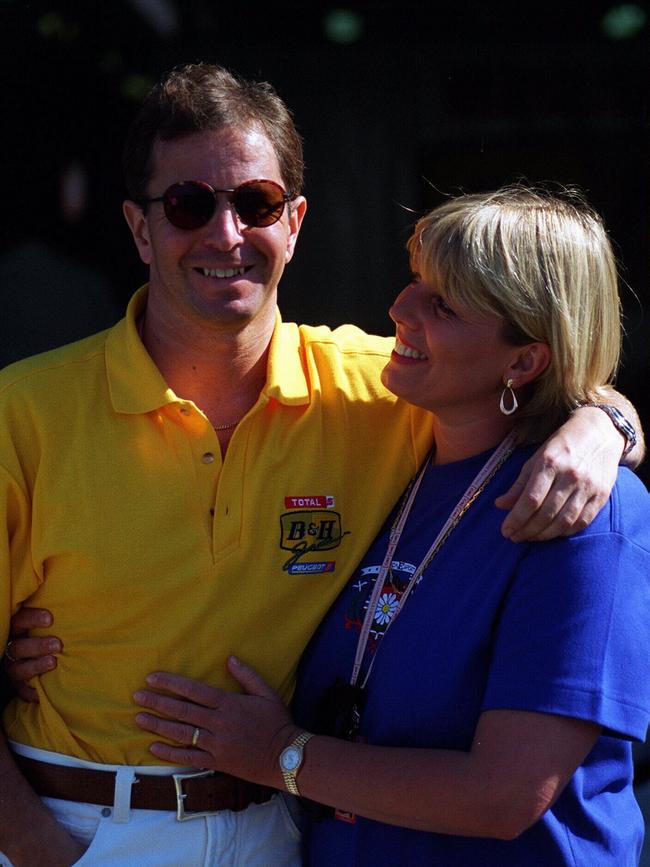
column 456, row 441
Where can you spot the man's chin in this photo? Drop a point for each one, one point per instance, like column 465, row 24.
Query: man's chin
column 235, row 313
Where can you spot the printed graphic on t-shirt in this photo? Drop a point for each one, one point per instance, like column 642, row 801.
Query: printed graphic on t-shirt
column 395, row 584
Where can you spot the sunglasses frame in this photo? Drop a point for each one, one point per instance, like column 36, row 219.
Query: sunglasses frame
column 232, row 193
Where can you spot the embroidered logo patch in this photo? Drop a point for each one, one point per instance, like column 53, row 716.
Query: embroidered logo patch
column 311, row 568
column 315, row 502
column 309, row 531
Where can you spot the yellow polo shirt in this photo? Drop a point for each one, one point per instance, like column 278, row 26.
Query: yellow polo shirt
column 121, row 517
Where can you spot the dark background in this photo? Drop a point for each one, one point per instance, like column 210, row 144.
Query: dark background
column 413, row 101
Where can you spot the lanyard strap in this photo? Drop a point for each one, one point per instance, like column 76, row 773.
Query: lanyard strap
column 479, row 483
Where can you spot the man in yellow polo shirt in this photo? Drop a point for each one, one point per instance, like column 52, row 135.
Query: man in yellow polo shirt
column 197, row 481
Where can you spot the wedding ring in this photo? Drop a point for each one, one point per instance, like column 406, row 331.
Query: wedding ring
column 195, row 736
column 8, row 652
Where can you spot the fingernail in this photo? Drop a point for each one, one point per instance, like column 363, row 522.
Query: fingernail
column 53, row 645
column 139, row 696
column 151, row 679
column 49, row 662
column 45, row 618
column 234, row 660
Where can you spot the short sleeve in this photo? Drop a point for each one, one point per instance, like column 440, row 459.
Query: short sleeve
column 573, row 636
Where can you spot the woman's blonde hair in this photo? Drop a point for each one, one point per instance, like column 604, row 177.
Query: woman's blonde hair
column 544, row 263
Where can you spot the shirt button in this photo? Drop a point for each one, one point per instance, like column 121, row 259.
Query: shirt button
column 106, row 812
column 207, row 458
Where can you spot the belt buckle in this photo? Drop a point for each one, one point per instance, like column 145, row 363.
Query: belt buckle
column 181, row 814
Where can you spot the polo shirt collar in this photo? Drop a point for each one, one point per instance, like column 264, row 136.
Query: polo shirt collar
column 135, row 383
column 137, row 386
column 286, row 377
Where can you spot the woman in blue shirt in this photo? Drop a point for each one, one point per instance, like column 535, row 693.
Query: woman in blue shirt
column 468, row 700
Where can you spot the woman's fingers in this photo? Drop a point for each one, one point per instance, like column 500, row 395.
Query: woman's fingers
column 194, row 690
column 23, row 669
column 27, row 693
column 31, row 648
column 250, row 679
column 208, row 696
column 28, row 657
column 30, row 618
column 190, row 753
column 183, row 756
column 174, row 708
column 182, row 733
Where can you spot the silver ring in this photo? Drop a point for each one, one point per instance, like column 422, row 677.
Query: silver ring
column 195, row 736
column 8, row 652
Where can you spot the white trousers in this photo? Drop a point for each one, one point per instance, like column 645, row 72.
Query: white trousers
column 263, row 835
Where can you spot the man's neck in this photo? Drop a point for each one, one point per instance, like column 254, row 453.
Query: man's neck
column 223, row 371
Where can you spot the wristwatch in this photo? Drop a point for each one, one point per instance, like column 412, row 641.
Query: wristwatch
column 291, row 759
column 622, row 424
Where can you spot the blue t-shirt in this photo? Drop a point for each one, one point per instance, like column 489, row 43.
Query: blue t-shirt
column 561, row 627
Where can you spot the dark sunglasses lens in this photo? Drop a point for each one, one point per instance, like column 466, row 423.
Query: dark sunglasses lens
column 259, row 204
column 189, row 205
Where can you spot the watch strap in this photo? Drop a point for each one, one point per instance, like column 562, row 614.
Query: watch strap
column 622, row 424
column 289, row 777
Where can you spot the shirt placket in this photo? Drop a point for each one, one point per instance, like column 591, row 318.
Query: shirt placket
column 206, row 459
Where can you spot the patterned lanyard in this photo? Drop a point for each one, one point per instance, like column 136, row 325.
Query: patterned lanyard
column 480, row 482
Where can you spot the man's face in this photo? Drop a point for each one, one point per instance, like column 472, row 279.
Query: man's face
column 224, row 274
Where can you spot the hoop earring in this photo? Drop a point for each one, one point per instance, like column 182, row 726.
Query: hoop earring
column 513, row 398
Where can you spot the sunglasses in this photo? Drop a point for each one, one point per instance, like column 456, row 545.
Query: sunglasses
column 191, row 204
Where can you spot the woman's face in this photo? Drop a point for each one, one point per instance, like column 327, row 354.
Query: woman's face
column 448, row 359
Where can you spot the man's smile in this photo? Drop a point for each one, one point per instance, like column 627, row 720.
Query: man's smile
column 223, row 272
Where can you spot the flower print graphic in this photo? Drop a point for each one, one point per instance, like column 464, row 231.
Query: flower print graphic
column 386, row 607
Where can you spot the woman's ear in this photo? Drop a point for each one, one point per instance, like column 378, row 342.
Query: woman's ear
column 528, row 364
